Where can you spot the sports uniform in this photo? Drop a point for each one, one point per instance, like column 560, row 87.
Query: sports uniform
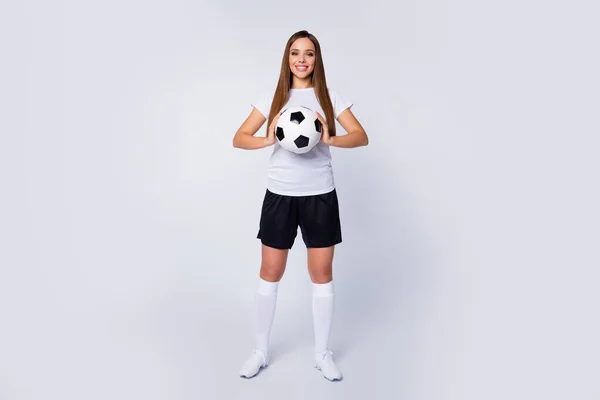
column 300, row 187
column 300, row 193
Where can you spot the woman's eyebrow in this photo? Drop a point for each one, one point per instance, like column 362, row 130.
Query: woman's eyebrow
column 299, row 50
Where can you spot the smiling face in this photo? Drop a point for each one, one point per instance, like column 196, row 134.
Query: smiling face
column 302, row 58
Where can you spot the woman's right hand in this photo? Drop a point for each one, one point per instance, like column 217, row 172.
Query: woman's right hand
column 271, row 139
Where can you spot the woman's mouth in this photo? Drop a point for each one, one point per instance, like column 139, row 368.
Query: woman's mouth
column 302, row 68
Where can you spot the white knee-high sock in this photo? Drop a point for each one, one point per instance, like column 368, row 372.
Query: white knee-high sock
column 265, row 300
column 323, row 297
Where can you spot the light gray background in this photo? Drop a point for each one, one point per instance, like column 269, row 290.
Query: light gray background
column 128, row 263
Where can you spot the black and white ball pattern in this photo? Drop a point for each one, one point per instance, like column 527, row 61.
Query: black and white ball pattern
column 298, row 129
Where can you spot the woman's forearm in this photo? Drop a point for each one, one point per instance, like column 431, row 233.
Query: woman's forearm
column 350, row 140
column 249, row 142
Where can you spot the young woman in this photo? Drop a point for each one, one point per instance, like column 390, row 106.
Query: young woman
column 300, row 193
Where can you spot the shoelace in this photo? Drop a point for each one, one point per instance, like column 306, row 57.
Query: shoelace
column 323, row 355
column 262, row 353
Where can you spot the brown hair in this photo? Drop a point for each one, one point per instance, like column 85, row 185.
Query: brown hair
column 317, row 79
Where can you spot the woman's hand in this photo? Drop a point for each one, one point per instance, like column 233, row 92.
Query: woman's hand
column 325, row 138
column 271, row 139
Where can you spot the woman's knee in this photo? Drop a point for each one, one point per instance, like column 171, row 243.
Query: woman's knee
column 273, row 263
column 320, row 264
column 271, row 274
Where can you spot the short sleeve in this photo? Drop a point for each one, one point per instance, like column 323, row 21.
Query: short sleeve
column 263, row 104
column 339, row 103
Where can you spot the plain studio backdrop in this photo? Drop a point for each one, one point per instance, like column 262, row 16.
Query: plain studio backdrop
column 129, row 260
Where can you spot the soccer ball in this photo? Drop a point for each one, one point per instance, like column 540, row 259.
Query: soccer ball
column 298, row 129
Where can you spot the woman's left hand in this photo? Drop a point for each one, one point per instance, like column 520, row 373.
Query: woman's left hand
column 325, row 138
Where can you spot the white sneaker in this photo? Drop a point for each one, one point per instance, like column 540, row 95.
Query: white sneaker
column 254, row 363
column 324, row 363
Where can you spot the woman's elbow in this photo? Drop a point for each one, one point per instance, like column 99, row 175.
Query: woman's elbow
column 236, row 140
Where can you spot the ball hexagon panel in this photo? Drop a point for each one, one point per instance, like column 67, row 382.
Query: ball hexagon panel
column 301, row 141
column 318, row 125
column 279, row 133
column 297, row 117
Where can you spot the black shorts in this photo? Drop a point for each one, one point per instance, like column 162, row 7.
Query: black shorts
column 318, row 217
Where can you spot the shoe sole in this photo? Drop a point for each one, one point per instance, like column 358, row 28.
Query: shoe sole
column 330, row 380
column 252, row 376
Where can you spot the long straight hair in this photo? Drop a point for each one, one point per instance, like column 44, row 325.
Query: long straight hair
column 318, row 82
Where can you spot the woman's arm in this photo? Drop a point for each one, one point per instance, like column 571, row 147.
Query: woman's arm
column 244, row 137
column 356, row 136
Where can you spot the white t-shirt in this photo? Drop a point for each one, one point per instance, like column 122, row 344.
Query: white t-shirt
column 305, row 174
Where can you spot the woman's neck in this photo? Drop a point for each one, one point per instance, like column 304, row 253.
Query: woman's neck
column 301, row 83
